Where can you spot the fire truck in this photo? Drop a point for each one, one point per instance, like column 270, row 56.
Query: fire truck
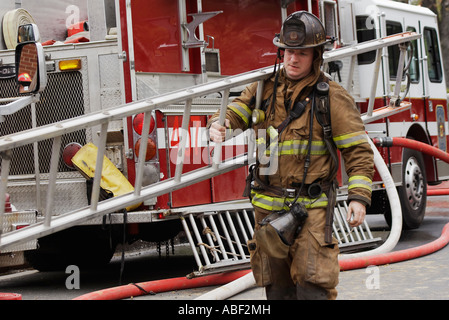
column 102, row 56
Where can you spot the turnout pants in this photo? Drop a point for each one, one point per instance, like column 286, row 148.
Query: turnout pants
column 311, row 269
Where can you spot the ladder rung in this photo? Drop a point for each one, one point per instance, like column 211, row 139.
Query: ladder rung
column 351, row 238
column 221, row 237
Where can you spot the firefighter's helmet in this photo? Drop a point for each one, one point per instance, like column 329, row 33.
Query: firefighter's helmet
column 301, row 30
column 24, row 78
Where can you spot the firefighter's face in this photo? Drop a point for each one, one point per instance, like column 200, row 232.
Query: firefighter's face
column 298, row 62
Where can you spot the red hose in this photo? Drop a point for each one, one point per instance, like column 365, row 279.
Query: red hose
column 412, row 144
column 10, row 296
column 402, row 255
column 158, row 286
column 419, row 146
column 397, row 256
column 437, row 192
column 182, row 283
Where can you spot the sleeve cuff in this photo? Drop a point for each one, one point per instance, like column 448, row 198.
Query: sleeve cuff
column 364, row 200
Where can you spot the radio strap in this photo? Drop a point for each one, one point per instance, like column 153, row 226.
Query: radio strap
column 323, row 116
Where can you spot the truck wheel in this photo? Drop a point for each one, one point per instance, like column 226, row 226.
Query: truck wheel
column 413, row 191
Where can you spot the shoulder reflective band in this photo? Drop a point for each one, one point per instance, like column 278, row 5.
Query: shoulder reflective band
column 242, row 110
column 359, row 182
column 350, row 139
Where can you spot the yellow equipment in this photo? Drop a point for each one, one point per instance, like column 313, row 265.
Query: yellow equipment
column 111, row 179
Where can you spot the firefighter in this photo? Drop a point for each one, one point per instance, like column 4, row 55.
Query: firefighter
column 301, row 169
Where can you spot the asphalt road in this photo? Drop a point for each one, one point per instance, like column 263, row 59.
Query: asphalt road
column 422, row 278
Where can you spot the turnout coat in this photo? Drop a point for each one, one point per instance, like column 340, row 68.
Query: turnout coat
column 287, row 153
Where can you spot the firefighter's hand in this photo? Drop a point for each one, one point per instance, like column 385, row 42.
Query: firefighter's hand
column 356, row 213
column 217, row 133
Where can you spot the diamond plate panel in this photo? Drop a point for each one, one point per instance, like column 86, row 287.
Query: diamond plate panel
column 110, row 90
column 17, row 218
column 12, row 259
column 69, row 195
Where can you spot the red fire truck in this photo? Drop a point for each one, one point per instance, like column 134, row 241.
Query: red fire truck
column 109, row 53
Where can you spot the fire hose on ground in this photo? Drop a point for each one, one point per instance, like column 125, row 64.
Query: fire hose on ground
column 165, row 285
column 391, row 257
column 235, row 282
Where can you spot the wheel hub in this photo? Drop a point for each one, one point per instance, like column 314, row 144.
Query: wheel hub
column 414, row 183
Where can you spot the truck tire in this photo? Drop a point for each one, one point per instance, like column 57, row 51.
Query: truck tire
column 413, row 191
column 86, row 247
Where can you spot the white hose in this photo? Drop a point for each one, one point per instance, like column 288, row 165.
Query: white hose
column 230, row 289
column 396, row 211
column 11, row 22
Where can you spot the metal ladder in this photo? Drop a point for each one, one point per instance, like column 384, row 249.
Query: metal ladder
column 54, row 131
column 218, row 235
column 351, row 239
column 101, row 119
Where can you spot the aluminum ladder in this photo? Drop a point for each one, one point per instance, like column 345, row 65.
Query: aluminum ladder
column 351, row 239
column 101, row 119
column 54, row 131
column 218, row 235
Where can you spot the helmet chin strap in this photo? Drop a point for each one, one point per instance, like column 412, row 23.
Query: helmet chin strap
column 276, row 71
column 277, row 62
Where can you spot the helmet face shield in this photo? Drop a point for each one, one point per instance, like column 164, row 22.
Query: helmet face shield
column 301, row 30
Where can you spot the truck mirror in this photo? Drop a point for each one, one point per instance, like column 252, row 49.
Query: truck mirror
column 28, row 33
column 30, row 67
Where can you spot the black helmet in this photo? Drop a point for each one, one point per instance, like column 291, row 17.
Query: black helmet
column 301, row 30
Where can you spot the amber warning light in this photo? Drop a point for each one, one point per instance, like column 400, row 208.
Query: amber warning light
column 70, row 65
